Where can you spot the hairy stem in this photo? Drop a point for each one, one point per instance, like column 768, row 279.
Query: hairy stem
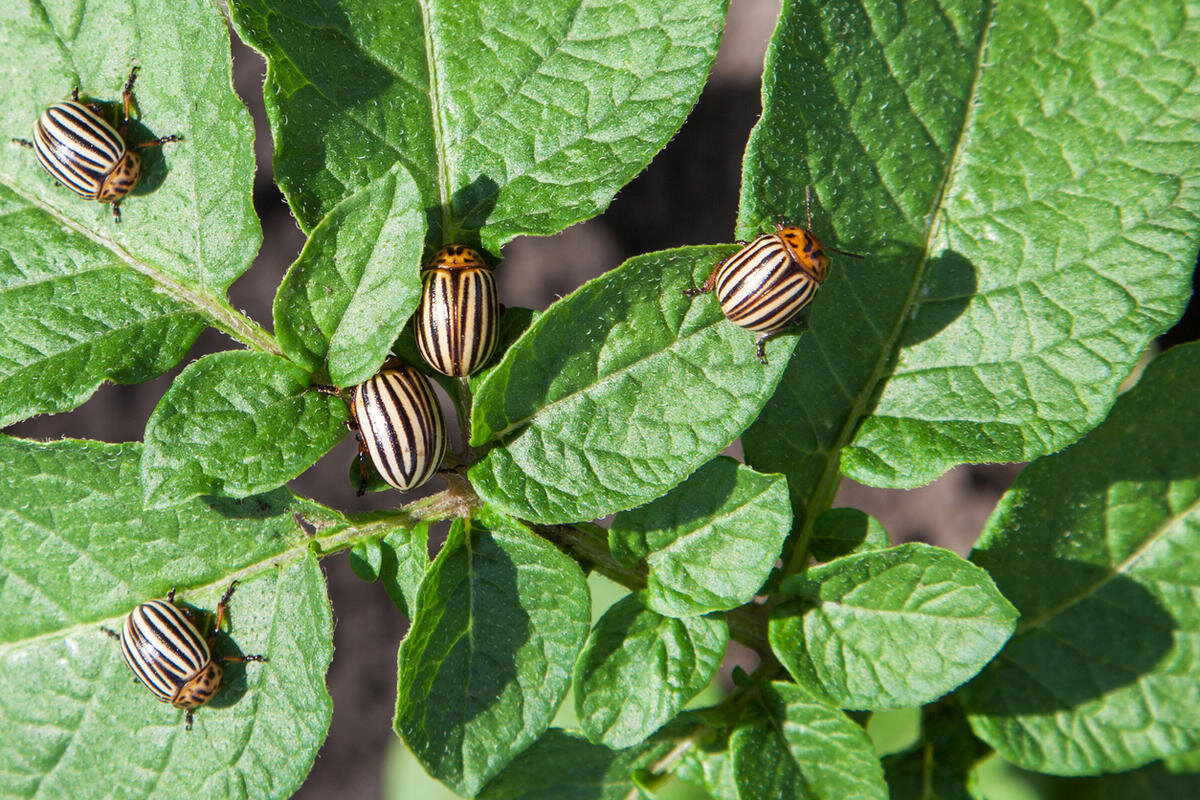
column 462, row 405
column 588, row 544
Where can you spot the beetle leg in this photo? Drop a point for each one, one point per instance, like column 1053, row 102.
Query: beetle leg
column 174, row 137
column 127, row 97
column 244, row 659
column 171, row 596
column 325, row 388
column 187, row 724
column 759, row 344
column 708, row 284
column 111, row 634
column 28, row 145
column 795, row 323
column 117, row 211
column 223, row 606
column 362, row 463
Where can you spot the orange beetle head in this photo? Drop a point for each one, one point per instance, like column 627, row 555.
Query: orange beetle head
column 455, row 256
column 201, row 688
column 806, row 249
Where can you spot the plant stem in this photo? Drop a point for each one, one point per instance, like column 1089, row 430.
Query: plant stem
column 441, row 505
column 589, row 544
column 796, row 552
column 238, row 326
column 462, row 405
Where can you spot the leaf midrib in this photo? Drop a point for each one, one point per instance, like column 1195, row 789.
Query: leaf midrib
column 830, row 472
column 342, row 536
column 435, row 106
column 1118, row 570
column 219, row 312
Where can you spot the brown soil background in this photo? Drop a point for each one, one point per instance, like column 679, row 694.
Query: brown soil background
column 688, row 195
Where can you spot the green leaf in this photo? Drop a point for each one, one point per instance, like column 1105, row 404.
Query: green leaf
column 843, row 531
column 1152, row 782
column 794, row 745
column 405, row 554
column 584, row 424
column 638, row 669
column 366, row 559
column 356, row 282
column 1024, row 179
column 1183, row 763
column 513, row 119
column 940, row 766
column 514, row 321
column 83, row 300
column 500, row 619
column 1096, row 547
column 710, row 543
column 236, row 423
column 708, row 765
column 891, row 629
column 79, row 552
column 562, row 765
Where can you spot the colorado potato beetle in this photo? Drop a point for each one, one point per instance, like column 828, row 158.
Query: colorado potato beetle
column 456, row 323
column 77, row 147
column 400, row 426
column 167, row 654
column 765, row 285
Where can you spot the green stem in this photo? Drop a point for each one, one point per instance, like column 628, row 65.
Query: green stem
column 589, row 545
column 238, row 326
column 796, row 553
column 442, row 505
column 462, row 405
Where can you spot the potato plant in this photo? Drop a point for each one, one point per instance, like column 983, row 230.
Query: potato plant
column 1023, row 180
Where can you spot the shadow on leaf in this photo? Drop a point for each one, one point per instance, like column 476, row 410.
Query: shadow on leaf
column 1107, row 634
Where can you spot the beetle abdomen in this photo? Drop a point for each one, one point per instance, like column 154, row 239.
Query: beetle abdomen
column 77, row 147
column 401, row 425
column 163, row 648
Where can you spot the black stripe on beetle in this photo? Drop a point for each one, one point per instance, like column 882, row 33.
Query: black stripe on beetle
column 76, row 146
column 764, row 286
column 457, row 321
column 400, row 425
column 168, row 655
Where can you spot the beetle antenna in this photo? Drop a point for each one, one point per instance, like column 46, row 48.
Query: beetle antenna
column 808, row 205
column 844, row 253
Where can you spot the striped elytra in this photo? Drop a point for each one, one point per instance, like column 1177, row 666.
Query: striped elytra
column 456, row 323
column 76, row 146
column 166, row 652
column 765, row 285
column 80, row 150
column 169, row 656
column 401, row 426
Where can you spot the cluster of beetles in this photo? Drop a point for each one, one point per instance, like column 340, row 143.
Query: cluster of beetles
column 762, row 287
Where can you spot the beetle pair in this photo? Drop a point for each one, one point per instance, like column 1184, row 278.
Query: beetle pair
column 764, row 286
column 167, row 654
column 77, row 147
column 396, row 413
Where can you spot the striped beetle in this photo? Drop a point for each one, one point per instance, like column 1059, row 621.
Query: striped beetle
column 168, row 656
column 77, row 147
column 763, row 286
column 400, row 426
column 457, row 320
